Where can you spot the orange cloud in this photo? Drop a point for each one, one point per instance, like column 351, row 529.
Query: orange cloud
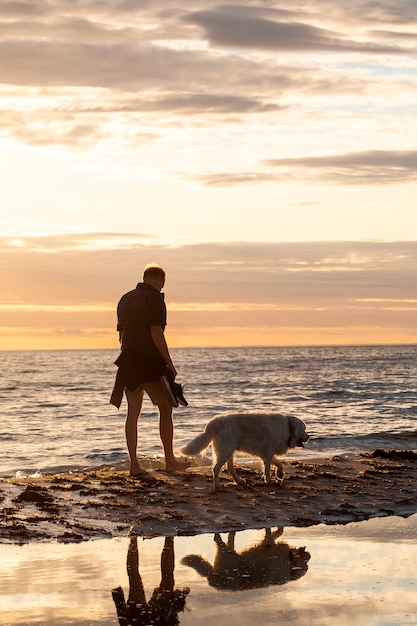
column 217, row 294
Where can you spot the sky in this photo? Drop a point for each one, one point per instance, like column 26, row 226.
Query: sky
column 262, row 152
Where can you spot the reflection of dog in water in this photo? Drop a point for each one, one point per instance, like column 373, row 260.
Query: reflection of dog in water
column 165, row 603
column 258, row 434
column 266, row 563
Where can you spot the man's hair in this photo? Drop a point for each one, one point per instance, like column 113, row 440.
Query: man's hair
column 153, row 271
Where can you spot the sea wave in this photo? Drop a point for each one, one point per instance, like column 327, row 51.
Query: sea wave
column 351, row 398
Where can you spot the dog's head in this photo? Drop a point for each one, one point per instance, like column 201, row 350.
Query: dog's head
column 298, row 435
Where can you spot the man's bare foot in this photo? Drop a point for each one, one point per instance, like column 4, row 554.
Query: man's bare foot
column 144, row 477
column 136, row 471
column 177, row 466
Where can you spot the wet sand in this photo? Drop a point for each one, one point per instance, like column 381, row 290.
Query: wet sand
column 106, row 502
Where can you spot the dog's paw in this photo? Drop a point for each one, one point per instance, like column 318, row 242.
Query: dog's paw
column 274, row 481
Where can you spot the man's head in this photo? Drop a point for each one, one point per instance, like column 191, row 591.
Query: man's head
column 155, row 276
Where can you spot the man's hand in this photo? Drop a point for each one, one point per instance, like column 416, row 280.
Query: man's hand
column 158, row 338
column 172, row 369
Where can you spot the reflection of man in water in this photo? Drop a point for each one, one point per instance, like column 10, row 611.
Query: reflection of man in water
column 165, row 603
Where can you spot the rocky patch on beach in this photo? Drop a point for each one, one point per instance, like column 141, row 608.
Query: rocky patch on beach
column 107, row 502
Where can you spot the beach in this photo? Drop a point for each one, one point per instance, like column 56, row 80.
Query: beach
column 106, row 502
column 339, row 527
column 334, row 543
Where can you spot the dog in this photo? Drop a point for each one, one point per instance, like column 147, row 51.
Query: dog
column 261, row 565
column 257, row 434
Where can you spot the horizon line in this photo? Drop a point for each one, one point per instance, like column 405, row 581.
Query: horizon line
column 231, row 347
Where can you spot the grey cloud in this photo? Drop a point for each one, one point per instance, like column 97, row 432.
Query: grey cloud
column 118, row 48
column 406, row 159
column 122, row 66
column 76, row 49
column 278, row 273
column 394, row 34
column 356, row 11
column 188, row 103
column 193, row 104
column 81, row 126
column 357, row 167
column 71, row 31
column 17, row 9
column 359, row 13
column 64, row 128
column 70, row 242
column 231, row 28
column 108, row 65
column 136, row 66
column 352, row 168
column 235, row 179
column 75, row 135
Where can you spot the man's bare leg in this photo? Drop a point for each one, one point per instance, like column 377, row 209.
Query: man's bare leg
column 167, row 565
column 136, row 589
column 134, row 406
column 166, row 431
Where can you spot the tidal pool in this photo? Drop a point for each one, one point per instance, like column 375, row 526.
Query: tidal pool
column 360, row 574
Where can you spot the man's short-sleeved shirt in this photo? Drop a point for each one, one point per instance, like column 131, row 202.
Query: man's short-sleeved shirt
column 137, row 311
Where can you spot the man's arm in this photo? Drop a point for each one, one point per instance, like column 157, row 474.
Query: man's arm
column 159, row 340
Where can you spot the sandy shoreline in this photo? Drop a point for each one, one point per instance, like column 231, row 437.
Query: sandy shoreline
column 106, row 502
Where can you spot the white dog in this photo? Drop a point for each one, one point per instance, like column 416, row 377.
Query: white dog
column 258, row 434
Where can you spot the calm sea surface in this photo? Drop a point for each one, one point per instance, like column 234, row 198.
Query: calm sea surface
column 55, row 411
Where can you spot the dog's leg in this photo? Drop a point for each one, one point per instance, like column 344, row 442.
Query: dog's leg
column 231, row 541
column 279, row 469
column 216, row 471
column 268, row 539
column 277, row 532
column 267, row 471
column 271, row 535
column 232, row 471
column 218, row 539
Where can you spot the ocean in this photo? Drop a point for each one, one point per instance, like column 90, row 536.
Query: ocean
column 56, row 414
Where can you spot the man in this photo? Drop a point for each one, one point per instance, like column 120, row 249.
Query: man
column 144, row 358
column 166, row 602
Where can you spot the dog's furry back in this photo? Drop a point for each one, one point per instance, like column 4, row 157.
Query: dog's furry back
column 255, row 433
column 259, row 434
column 203, row 440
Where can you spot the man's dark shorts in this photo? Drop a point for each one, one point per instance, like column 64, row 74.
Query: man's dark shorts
column 154, row 390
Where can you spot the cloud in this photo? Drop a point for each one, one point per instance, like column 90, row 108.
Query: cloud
column 99, row 45
column 230, row 26
column 217, row 293
column 236, row 179
column 394, row 34
column 90, row 72
column 153, row 94
column 146, row 67
column 186, row 104
column 115, row 66
column 15, row 9
column 360, row 168
column 73, row 242
column 87, row 269
column 371, row 167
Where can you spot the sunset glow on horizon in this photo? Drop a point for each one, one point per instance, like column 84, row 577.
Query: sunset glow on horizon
column 263, row 153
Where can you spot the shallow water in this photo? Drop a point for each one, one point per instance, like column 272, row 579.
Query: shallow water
column 56, row 412
column 355, row 575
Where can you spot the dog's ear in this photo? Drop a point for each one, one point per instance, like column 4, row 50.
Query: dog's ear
column 294, row 434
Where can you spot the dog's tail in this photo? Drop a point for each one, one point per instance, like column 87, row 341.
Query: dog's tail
column 200, row 565
column 201, row 442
